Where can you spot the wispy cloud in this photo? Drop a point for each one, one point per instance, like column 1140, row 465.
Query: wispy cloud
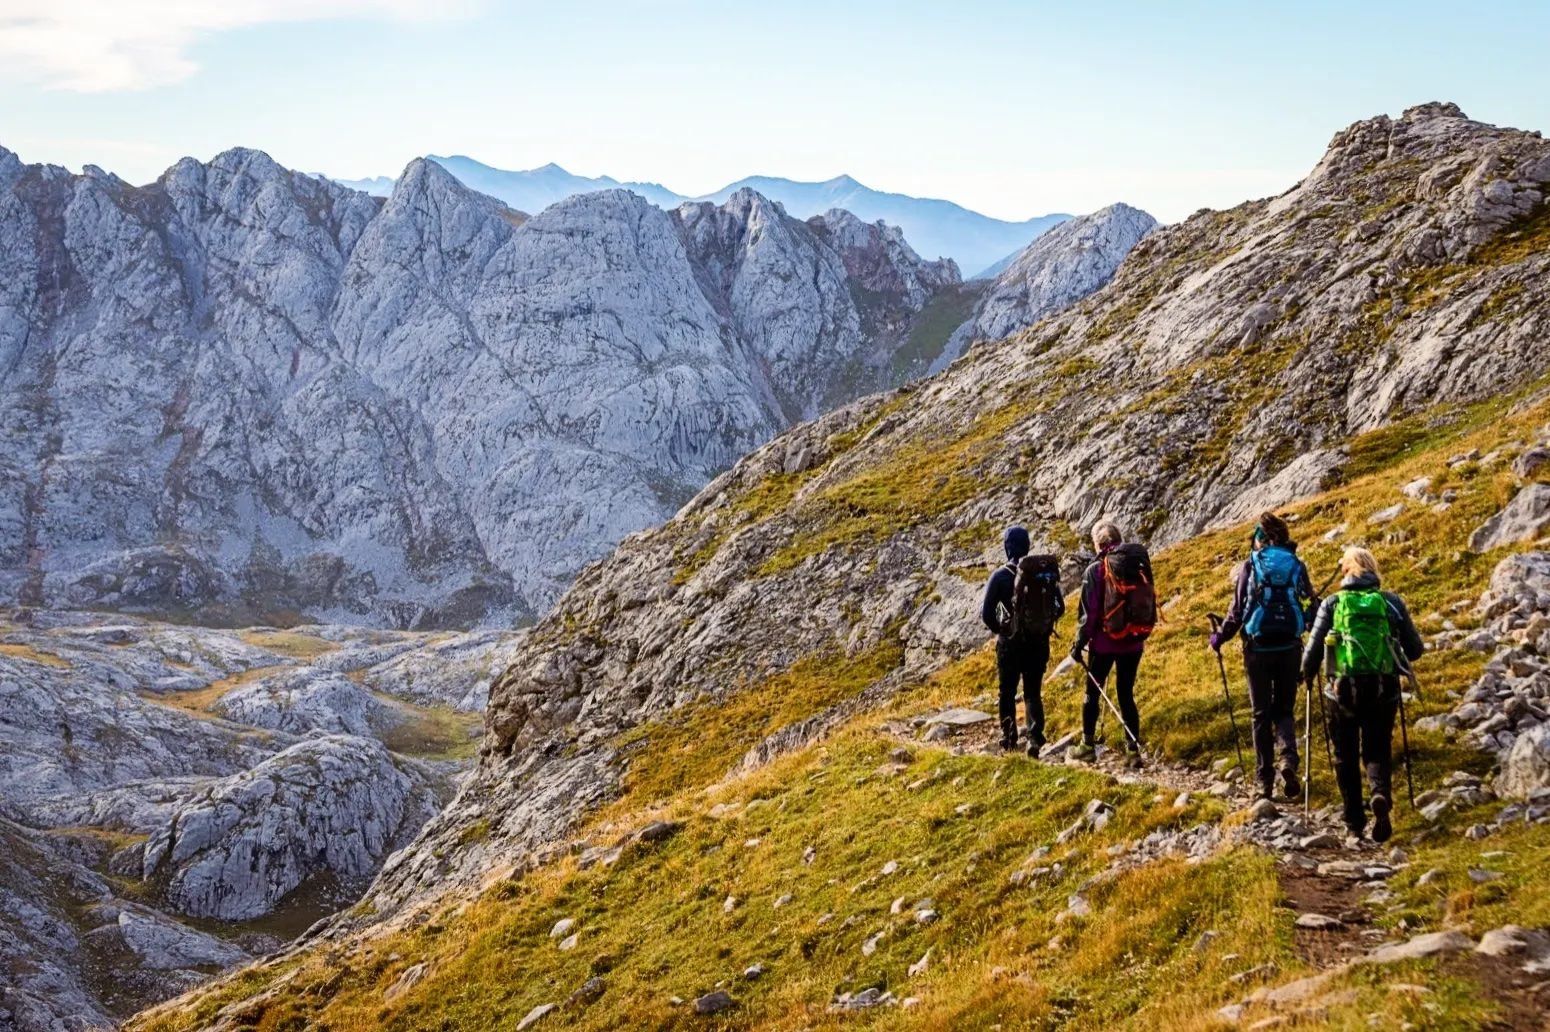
column 95, row 46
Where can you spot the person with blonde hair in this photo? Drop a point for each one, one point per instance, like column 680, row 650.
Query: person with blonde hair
column 1117, row 609
column 1365, row 631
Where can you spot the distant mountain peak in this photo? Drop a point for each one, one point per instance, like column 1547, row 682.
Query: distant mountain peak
column 933, row 227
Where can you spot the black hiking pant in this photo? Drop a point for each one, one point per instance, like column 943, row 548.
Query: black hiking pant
column 1274, row 677
column 1124, row 667
column 1361, row 729
column 1022, row 661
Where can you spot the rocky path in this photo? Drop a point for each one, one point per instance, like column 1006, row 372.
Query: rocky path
column 1335, row 884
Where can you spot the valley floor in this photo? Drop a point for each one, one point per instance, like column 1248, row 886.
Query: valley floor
column 178, row 800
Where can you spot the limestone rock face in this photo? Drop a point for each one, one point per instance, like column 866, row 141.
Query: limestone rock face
column 1525, row 518
column 1059, row 268
column 241, row 389
column 326, row 806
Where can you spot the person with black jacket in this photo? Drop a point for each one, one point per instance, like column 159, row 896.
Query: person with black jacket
column 1268, row 609
column 1364, row 693
column 1019, row 657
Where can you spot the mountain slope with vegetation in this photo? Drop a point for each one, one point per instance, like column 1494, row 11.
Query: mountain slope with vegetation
column 745, row 675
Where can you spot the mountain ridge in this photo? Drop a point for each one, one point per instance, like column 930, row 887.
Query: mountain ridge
column 935, row 225
column 734, row 720
column 427, row 409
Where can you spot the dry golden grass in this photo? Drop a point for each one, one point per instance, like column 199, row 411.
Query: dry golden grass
column 32, row 655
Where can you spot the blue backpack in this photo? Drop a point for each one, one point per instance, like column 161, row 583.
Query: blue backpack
column 1276, row 619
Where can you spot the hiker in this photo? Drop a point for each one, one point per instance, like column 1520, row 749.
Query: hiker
column 1364, row 624
column 1268, row 608
column 1116, row 612
column 1022, row 603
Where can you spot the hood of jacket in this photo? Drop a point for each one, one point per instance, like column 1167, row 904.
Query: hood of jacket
column 1363, row 581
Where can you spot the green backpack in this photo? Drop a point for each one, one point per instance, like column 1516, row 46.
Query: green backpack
column 1362, row 633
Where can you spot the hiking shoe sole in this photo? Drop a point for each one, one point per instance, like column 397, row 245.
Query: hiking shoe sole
column 1381, row 828
column 1293, row 787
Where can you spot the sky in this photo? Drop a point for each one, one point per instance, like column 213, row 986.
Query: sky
column 1012, row 109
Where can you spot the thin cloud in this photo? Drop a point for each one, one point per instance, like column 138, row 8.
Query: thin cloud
column 99, row 46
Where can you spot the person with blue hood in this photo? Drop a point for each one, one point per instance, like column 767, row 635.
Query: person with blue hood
column 1022, row 603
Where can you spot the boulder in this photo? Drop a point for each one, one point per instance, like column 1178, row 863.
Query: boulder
column 1524, row 518
column 958, row 717
column 1526, row 767
column 1430, row 944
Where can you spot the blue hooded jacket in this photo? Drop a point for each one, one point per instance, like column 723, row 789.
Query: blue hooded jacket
column 998, row 590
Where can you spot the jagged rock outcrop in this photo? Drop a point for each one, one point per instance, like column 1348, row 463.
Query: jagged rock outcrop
column 245, row 390
column 1060, row 268
column 1507, row 710
column 1054, row 272
column 1225, row 347
column 326, row 807
column 75, row 956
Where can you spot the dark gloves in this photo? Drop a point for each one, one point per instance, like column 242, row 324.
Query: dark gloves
column 1310, row 670
column 1076, row 649
column 1216, row 641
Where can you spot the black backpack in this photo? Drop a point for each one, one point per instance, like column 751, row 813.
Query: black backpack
column 1035, row 597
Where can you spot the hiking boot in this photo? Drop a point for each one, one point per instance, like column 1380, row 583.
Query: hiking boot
column 1087, row 752
column 1381, row 828
column 1008, row 744
column 1267, row 790
column 1035, row 745
column 1292, row 785
column 1133, row 758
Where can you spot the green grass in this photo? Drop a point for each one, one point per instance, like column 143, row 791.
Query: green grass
column 921, row 480
column 943, row 314
column 432, row 732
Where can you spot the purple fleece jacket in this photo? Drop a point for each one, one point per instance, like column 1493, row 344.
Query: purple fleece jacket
column 1089, row 615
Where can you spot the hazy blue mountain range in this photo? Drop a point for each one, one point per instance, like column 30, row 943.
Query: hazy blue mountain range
column 935, row 228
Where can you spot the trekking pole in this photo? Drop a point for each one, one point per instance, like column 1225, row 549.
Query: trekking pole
column 1404, row 738
column 1319, row 594
column 1307, row 748
column 1117, row 714
column 1237, row 744
column 1404, row 734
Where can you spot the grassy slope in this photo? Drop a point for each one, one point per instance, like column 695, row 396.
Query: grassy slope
column 655, row 925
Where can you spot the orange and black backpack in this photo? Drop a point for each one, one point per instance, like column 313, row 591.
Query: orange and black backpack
column 1129, row 600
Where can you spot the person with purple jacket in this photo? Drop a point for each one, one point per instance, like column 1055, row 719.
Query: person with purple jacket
column 1106, row 653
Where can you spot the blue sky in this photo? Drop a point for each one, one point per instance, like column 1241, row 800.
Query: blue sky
column 1011, row 108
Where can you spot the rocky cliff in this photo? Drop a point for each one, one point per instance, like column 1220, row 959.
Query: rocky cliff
column 248, row 391
column 1060, row 268
column 1054, row 272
